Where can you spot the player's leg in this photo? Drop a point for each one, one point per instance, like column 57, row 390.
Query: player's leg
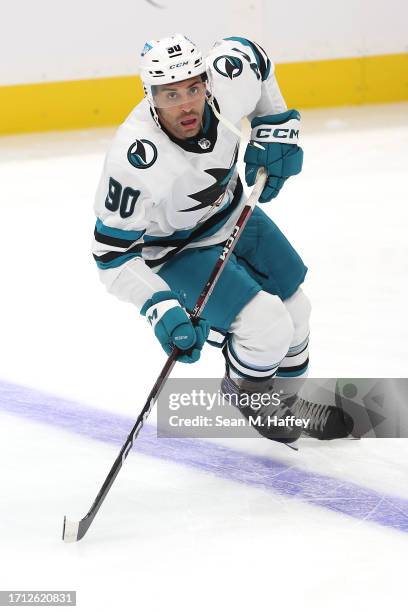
column 296, row 361
column 274, row 263
column 188, row 272
column 258, row 340
column 325, row 421
column 293, row 369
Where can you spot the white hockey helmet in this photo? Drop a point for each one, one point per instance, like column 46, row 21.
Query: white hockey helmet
column 169, row 60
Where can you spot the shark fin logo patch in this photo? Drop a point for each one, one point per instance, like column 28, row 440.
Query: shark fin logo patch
column 142, row 154
column 228, row 66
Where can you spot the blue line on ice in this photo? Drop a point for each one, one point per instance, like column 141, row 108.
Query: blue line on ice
column 317, row 489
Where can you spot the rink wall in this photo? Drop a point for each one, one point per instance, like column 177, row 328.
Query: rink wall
column 73, row 65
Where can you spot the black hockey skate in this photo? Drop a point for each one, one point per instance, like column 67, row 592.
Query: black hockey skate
column 326, row 422
column 320, row 421
column 275, row 422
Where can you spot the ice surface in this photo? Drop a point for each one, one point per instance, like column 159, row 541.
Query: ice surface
column 171, row 534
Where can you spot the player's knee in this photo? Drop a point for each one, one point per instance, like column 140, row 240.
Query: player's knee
column 265, row 326
column 299, row 308
column 279, row 330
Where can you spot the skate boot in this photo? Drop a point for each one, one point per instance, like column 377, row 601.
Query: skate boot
column 325, row 422
column 272, row 420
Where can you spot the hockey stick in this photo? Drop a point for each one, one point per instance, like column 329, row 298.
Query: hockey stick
column 75, row 530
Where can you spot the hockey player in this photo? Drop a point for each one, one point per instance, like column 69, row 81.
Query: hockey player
column 169, row 196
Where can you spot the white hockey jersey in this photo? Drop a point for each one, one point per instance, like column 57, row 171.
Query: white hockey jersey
column 158, row 194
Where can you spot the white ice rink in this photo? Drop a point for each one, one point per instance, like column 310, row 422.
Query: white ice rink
column 220, row 525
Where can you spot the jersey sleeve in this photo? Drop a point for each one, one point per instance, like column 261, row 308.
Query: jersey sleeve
column 243, row 68
column 122, row 206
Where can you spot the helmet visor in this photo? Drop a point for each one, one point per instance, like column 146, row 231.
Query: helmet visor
column 178, row 94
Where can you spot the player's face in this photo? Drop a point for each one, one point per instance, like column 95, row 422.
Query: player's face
column 180, row 107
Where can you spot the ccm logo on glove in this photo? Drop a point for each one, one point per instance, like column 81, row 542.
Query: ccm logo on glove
column 278, row 134
column 279, row 154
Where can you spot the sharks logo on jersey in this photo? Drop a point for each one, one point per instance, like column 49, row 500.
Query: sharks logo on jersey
column 228, row 66
column 142, row 154
column 215, row 192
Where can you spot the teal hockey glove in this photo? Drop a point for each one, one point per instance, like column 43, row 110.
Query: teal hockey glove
column 280, row 156
column 173, row 327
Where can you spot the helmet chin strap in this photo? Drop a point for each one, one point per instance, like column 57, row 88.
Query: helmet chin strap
column 223, row 120
column 155, row 116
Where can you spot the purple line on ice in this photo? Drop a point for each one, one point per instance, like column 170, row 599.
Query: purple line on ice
column 317, row 489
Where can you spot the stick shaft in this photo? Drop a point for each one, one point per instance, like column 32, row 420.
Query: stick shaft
column 229, row 246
